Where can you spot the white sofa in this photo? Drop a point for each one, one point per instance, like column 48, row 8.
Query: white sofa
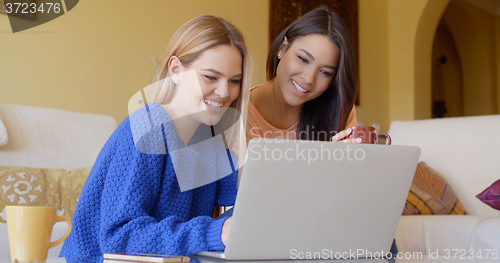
column 465, row 151
column 50, row 138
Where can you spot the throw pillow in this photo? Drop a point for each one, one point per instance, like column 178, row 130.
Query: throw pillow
column 41, row 187
column 491, row 195
column 431, row 195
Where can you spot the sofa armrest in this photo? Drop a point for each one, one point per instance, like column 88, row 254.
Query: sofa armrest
column 434, row 233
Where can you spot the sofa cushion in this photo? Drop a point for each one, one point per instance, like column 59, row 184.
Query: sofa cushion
column 41, row 187
column 448, row 233
column 491, row 195
column 452, row 147
column 431, row 195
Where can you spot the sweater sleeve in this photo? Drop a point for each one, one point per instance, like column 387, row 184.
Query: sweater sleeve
column 131, row 189
column 227, row 188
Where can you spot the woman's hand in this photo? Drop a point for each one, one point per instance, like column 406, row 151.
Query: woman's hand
column 341, row 137
column 225, row 230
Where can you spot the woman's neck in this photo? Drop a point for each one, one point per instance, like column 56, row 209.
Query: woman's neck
column 185, row 126
column 269, row 101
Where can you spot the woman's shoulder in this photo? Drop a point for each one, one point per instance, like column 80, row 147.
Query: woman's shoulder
column 143, row 129
column 258, row 96
column 147, row 127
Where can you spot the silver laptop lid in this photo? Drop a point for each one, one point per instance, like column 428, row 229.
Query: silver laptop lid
column 321, row 199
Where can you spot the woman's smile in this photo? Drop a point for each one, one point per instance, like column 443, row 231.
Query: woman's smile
column 213, row 106
column 299, row 88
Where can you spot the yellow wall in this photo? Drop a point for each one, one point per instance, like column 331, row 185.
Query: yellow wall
column 97, row 56
column 473, row 30
column 373, row 63
column 391, row 33
column 403, row 21
column 94, row 58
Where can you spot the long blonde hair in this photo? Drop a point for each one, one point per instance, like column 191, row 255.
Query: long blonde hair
column 188, row 43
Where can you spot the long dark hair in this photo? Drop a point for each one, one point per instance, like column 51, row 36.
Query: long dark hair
column 324, row 116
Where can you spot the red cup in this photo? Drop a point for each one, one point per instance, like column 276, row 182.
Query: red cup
column 369, row 135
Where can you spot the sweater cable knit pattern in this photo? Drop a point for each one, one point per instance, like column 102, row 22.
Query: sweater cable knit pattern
column 132, row 202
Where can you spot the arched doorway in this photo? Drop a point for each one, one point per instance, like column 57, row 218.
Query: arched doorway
column 424, row 39
column 472, row 31
column 447, row 82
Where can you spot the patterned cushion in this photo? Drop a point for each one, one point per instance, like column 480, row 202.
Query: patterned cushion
column 41, row 187
column 491, row 195
column 431, row 195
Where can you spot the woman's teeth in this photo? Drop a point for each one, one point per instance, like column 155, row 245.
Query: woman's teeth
column 298, row 88
column 213, row 104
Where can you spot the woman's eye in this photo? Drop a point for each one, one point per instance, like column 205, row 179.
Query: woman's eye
column 208, row 77
column 235, row 81
column 303, row 59
column 326, row 73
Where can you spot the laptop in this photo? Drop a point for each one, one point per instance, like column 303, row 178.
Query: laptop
column 318, row 200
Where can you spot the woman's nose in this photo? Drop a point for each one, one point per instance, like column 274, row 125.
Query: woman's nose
column 308, row 76
column 222, row 90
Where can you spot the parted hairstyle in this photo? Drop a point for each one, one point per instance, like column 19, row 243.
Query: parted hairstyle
column 188, row 43
column 324, row 116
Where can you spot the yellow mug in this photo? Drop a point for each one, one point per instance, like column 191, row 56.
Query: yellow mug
column 30, row 229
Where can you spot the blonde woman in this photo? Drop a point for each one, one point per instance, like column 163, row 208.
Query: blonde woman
column 144, row 193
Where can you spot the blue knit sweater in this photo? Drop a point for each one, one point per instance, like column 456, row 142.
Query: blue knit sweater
column 132, row 201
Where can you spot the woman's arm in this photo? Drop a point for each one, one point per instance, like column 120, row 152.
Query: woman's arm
column 352, row 121
column 133, row 184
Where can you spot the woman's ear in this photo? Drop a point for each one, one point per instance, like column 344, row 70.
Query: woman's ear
column 283, row 47
column 174, row 68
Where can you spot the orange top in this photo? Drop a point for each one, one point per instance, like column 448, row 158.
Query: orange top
column 258, row 127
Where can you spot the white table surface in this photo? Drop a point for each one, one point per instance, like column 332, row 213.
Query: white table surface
column 425, row 259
